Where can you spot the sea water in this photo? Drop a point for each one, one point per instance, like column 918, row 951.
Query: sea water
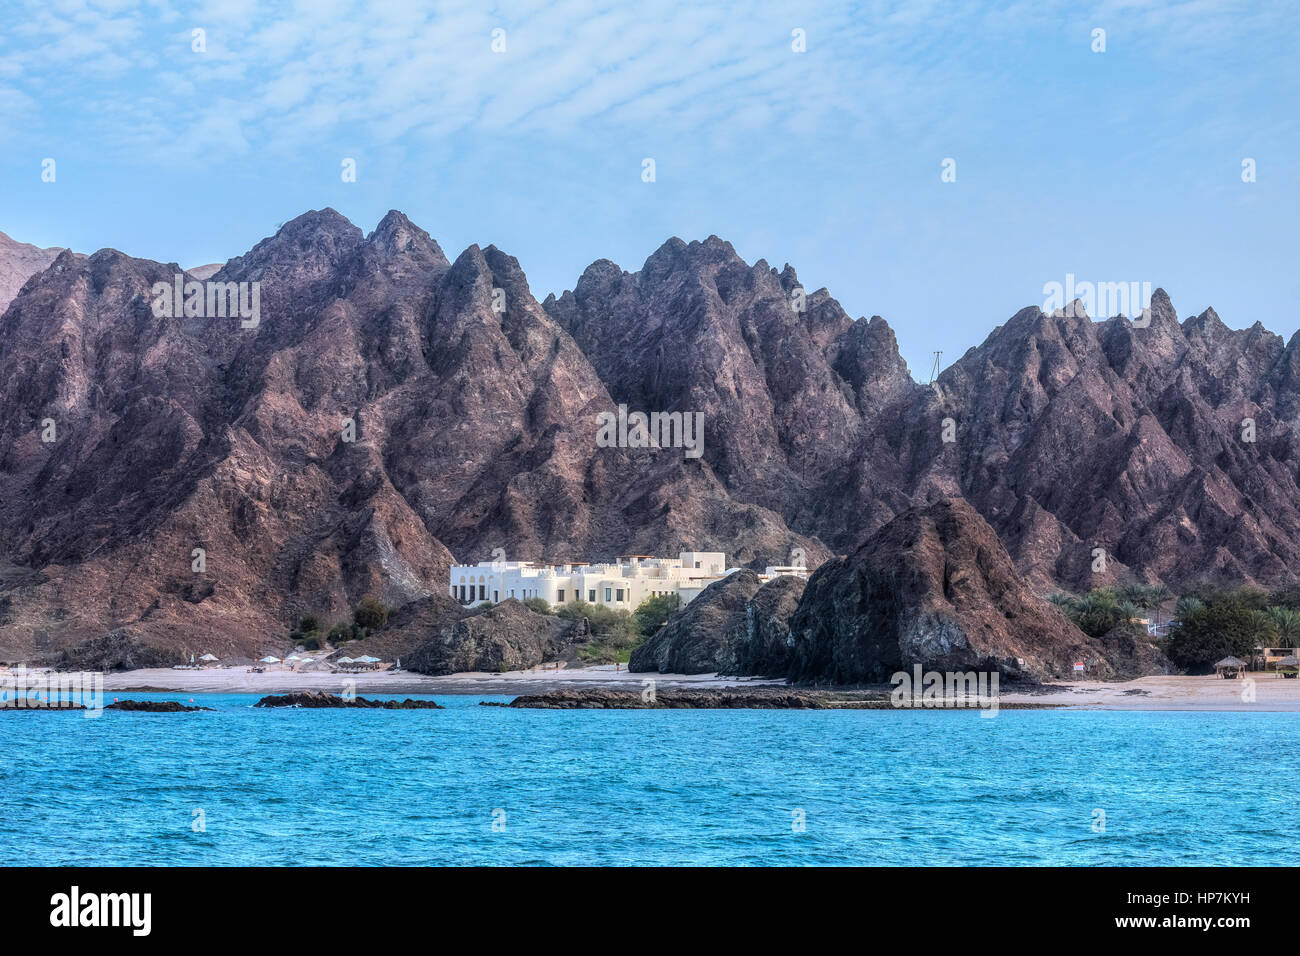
column 490, row 785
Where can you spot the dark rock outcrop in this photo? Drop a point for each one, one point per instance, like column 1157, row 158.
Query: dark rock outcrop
column 759, row 644
column 154, row 706
column 934, row 587
column 118, row 650
column 503, row 637
column 695, row 638
column 738, row 625
column 312, row 699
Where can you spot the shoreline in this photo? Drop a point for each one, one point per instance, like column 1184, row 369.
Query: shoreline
column 1161, row 693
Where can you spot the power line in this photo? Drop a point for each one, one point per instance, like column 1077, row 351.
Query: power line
column 934, row 372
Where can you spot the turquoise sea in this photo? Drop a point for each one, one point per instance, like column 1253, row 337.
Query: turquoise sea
column 488, row 785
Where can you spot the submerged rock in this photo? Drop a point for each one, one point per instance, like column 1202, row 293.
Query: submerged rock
column 29, row 704
column 774, row 698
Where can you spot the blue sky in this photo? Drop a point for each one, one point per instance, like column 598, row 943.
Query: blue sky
column 1124, row 165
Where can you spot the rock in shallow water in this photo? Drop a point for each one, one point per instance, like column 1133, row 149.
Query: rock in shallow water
column 319, row 699
column 154, row 706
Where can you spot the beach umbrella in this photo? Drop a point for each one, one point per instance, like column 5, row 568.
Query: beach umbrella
column 293, row 657
column 345, row 660
column 207, row 657
column 368, row 660
column 268, row 659
column 309, row 660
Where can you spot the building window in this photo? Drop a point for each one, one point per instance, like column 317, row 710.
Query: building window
column 591, row 597
column 607, row 593
column 482, row 592
column 496, row 596
column 697, row 564
column 620, row 595
column 560, row 594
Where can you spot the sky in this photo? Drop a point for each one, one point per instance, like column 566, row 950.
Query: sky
column 814, row 134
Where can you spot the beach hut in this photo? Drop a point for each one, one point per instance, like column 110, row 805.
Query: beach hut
column 1230, row 667
column 268, row 659
column 1289, row 666
column 207, row 660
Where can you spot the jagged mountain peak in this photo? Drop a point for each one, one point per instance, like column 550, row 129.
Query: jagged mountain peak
column 396, row 234
column 307, row 247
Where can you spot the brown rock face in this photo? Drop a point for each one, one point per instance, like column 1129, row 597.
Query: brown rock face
column 503, row 637
column 736, row 626
column 694, row 640
column 933, row 587
column 760, row 643
column 129, row 440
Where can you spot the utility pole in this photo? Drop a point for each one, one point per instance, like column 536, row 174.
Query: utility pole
column 934, row 372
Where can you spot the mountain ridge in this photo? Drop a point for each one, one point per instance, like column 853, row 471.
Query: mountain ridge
column 474, row 406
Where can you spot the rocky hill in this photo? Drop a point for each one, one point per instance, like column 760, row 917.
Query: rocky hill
column 393, row 408
column 933, row 587
column 736, row 626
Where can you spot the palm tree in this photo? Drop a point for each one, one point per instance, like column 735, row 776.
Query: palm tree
column 1158, row 595
column 1129, row 611
column 1286, row 623
column 1264, row 627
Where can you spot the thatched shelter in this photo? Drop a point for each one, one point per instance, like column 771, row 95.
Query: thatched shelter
column 1288, row 666
column 1230, row 667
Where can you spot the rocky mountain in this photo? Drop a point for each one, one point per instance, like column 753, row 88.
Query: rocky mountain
column 192, row 483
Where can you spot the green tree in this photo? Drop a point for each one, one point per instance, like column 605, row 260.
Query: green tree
column 371, row 613
column 1286, row 625
column 651, row 613
column 1210, row 630
column 614, row 634
column 540, row 605
column 1098, row 612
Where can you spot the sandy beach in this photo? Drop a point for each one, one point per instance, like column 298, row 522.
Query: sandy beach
column 239, row 680
column 1271, row 693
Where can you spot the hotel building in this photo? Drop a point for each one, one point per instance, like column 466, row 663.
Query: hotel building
column 624, row 583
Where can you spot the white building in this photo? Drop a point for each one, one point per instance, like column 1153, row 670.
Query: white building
column 625, row 583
